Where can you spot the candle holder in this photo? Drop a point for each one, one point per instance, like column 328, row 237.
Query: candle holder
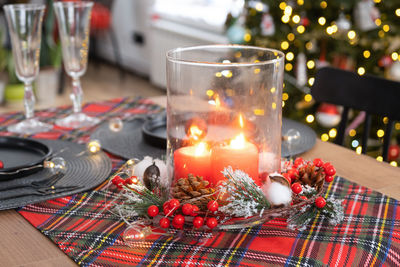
column 224, row 108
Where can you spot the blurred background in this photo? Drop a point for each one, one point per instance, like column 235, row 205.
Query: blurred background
column 129, row 39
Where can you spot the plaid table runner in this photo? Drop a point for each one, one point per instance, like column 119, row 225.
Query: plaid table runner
column 84, row 230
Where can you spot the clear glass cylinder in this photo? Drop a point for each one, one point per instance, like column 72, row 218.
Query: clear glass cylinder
column 224, row 108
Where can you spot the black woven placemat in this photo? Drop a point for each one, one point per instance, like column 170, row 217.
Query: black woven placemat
column 83, row 169
column 127, row 143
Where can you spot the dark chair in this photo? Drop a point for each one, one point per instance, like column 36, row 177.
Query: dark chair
column 374, row 95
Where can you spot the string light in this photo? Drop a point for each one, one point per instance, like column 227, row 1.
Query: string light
column 393, row 163
column 378, row 22
column 290, row 36
column 288, row 67
column 310, row 64
column 323, row 4
column 55, row 165
column 94, row 146
column 308, row 98
column 282, row 5
column 395, row 55
column 332, row 133
column 351, row 34
column 273, row 105
column 259, row 7
column 386, row 28
column 397, row 12
column 352, row 132
column 385, row 120
column 324, row 137
column 397, row 126
column 285, row 45
column 285, row 96
column 285, row 19
column 309, row 45
column 301, row 29
column 296, row 19
column 321, row 21
column 290, row 56
column 379, row 158
column 288, row 10
column 247, row 37
column 210, row 93
column 361, row 71
column 366, row 53
column 310, row 118
column 330, row 30
column 311, row 81
column 381, row 34
column 380, row 133
column 355, row 143
column 257, row 71
column 300, row 2
column 218, row 74
column 359, row 150
column 283, row 103
column 377, row 1
column 273, row 90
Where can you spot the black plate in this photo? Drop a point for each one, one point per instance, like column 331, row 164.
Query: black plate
column 19, row 153
column 155, row 133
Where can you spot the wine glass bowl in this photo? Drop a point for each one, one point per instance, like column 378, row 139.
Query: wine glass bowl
column 74, row 26
column 25, row 27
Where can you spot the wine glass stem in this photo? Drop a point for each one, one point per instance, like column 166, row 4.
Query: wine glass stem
column 76, row 95
column 29, row 101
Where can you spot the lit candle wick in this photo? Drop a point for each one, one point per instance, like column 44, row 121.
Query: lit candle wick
column 201, row 149
column 238, row 142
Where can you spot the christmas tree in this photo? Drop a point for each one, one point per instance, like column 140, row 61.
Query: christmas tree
column 358, row 35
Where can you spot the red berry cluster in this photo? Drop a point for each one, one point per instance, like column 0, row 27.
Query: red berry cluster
column 119, row 182
column 178, row 220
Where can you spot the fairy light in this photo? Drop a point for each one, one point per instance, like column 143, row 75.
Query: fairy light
column 381, row 34
column 290, row 56
column 334, row 28
column 377, row 1
column 300, row 2
column 288, row 10
column 311, row 81
column 378, row 22
column 323, row 4
column 296, row 19
column 288, row 67
column 285, row 45
column 301, row 29
column 285, row 19
column 227, row 73
column 351, row 34
column 257, row 71
column 210, row 93
column 397, row 126
column 310, row 118
column 247, row 37
column 285, row 96
column 395, row 56
column 380, row 133
column 332, row 133
column 393, row 163
column 282, row 5
column 283, row 103
column 218, row 74
column 385, row 120
column 361, row 71
column 366, row 53
column 308, row 98
column 379, row 158
column 309, row 45
column 397, row 12
column 386, row 28
column 324, row 137
column 321, row 21
column 310, row 64
column 273, row 90
column 330, row 30
column 259, row 7
column 359, row 150
column 130, row 162
column 94, row 146
column 355, row 143
column 290, row 36
column 273, row 105
column 352, row 132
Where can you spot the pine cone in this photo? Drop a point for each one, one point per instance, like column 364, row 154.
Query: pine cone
column 310, row 175
column 193, row 188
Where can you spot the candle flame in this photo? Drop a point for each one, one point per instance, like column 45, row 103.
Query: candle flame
column 238, row 142
column 241, row 121
column 201, row 149
column 195, row 132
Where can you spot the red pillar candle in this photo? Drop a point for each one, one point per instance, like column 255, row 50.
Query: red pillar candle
column 192, row 159
column 239, row 154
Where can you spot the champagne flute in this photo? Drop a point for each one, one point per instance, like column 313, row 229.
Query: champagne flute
column 25, row 28
column 74, row 25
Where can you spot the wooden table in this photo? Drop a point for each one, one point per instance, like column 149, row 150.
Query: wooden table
column 22, row 245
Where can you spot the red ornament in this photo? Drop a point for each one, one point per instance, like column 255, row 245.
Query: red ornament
column 174, row 203
column 286, row 175
column 293, row 173
column 167, row 210
column 198, row 222
column 211, row 222
column 298, row 162
column 212, row 206
column 117, row 180
column 305, row 22
column 195, row 210
column 297, row 188
column 187, row 209
column 393, row 154
column 178, row 221
column 320, row 202
column 330, row 170
column 1, row 164
column 164, row 222
column 328, row 178
column 152, row 211
column 318, row 162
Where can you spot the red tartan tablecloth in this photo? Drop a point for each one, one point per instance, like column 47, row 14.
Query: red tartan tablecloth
column 84, row 230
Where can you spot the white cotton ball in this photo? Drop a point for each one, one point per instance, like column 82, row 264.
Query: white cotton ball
column 278, row 194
